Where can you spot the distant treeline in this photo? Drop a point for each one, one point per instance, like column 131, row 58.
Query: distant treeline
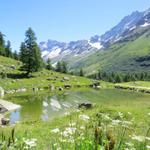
column 5, row 48
column 121, row 77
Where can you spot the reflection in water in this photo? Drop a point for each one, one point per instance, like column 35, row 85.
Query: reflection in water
column 14, row 116
column 45, row 107
column 55, row 104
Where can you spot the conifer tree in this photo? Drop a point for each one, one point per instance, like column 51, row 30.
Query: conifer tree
column 64, row 67
column 15, row 55
column 81, row 72
column 8, row 52
column 30, row 53
column 2, row 44
column 49, row 66
column 58, row 66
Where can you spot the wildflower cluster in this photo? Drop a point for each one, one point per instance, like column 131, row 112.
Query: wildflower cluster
column 103, row 131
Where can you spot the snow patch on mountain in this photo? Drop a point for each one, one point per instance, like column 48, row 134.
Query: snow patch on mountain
column 45, row 53
column 54, row 52
column 96, row 45
column 145, row 24
column 132, row 28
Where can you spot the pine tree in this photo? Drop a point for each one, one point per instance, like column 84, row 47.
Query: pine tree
column 23, row 55
column 81, row 72
column 2, row 44
column 64, row 67
column 58, row 67
column 49, row 66
column 8, row 52
column 30, row 53
column 15, row 55
column 118, row 78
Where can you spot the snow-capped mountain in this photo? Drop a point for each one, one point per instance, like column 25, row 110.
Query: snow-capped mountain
column 128, row 26
column 60, row 50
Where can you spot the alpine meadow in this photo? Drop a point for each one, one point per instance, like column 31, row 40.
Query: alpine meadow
column 75, row 75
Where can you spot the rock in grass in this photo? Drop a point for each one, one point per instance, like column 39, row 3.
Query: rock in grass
column 85, row 105
column 5, row 121
column 60, row 89
column 2, row 109
column 1, row 92
column 35, row 89
column 52, row 87
column 13, row 67
column 66, row 78
column 67, row 86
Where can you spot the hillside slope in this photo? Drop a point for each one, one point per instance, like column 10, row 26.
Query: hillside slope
column 15, row 78
column 129, row 55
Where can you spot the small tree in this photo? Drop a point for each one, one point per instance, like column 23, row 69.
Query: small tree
column 15, row 55
column 118, row 78
column 2, row 44
column 8, row 52
column 49, row 66
column 58, row 66
column 81, row 72
column 64, row 67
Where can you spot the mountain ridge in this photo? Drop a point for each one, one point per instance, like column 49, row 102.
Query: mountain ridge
column 128, row 30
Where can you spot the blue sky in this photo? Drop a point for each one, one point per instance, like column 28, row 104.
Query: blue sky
column 63, row 20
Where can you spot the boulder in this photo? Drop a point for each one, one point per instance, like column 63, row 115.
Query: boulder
column 1, row 92
column 13, row 67
column 35, row 89
column 60, row 89
column 21, row 90
column 51, row 87
column 67, row 86
column 66, row 78
column 5, row 121
column 85, row 105
column 2, row 109
column 95, row 85
column 62, row 80
column 51, row 79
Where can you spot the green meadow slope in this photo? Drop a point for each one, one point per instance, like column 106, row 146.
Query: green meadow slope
column 16, row 80
column 130, row 55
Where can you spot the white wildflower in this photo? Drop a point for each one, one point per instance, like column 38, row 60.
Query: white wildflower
column 69, row 131
column 130, row 144
column 129, row 113
column 116, row 122
column 127, row 122
column 71, row 140
column 106, row 117
column 120, row 114
column 66, row 113
column 82, row 127
column 31, row 142
column 84, row 117
column 149, row 114
column 148, row 146
column 138, row 138
column 147, row 138
column 72, row 124
column 55, row 130
column 77, row 110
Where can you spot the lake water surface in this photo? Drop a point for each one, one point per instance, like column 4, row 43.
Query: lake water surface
column 46, row 106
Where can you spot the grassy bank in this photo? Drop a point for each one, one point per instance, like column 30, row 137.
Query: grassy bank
column 119, row 117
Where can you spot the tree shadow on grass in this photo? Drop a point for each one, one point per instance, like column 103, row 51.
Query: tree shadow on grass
column 19, row 75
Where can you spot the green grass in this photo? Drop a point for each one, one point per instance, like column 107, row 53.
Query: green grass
column 99, row 131
column 39, row 79
column 138, row 83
